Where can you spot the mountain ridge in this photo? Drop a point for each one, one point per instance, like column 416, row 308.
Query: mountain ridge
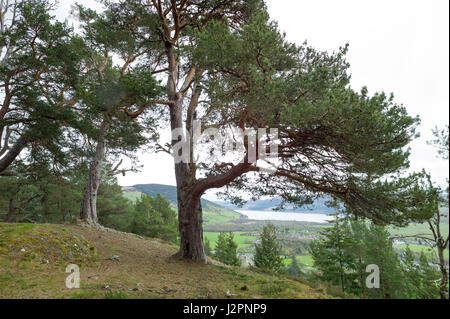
column 170, row 193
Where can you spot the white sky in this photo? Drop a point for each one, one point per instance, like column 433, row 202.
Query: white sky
column 399, row 46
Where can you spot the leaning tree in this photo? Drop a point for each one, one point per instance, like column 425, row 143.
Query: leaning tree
column 227, row 65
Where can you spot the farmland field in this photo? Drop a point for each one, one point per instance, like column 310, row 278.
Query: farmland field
column 305, row 260
column 242, row 239
column 217, row 217
column 419, row 248
column 415, row 229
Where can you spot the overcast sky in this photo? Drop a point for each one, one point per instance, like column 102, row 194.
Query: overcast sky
column 399, row 46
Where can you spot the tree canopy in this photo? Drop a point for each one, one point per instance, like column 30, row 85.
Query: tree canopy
column 221, row 63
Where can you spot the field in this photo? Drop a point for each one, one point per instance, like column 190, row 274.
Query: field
column 415, row 229
column 242, row 239
column 419, row 248
column 132, row 196
column 305, row 260
column 218, row 217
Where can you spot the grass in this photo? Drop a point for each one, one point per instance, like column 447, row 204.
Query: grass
column 44, row 243
column 422, row 248
column 212, row 215
column 242, row 239
column 132, row 196
column 306, row 260
column 116, row 295
column 146, row 268
column 216, row 217
column 415, row 229
column 423, row 229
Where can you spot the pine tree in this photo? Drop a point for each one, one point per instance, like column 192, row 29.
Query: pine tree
column 208, row 249
column 153, row 217
column 221, row 247
column 421, row 279
column 294, row 269
column 334, row 257
column 431, row 278
column 379, row 250
column 358, row 230
column 39, row 60
column 232, row 258
column 268, row 250
column 412, row 274
column 229, row 59
column 226, row 249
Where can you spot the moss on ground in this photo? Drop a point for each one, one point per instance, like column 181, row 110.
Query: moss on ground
column 144, row 268
column 45, row 244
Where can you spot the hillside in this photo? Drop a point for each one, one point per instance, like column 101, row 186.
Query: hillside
column 212, row 212
column 170, row 193
column 33, row 259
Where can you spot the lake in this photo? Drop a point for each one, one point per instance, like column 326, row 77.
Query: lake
column 286, row 216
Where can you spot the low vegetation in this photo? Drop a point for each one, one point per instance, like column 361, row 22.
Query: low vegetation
column 143, row 268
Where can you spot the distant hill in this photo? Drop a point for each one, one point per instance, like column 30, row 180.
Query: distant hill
column 170, row 193
column 166, row 191
column 213, row 213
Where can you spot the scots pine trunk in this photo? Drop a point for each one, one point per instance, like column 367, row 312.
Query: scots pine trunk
column 189, row 204
column 441, row 244
column 191, row 228
column 189, row 207
column 89, row 203
column 443, row 290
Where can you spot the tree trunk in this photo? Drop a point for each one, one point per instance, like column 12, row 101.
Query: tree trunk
column 11, row 210
column 361, row 276
column 89, row 204
column 189, row 205
column 191, row 228
column 443, row 292
column 12, row 154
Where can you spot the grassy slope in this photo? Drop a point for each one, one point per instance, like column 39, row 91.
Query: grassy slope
column 146, row 268
column 213, row 214
column 132, row 195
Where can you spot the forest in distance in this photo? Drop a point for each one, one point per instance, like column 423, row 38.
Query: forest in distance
column 289, row 183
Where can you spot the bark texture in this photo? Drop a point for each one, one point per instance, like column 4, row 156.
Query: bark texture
column 443, row 290
column 191, row 228
column 89, row 204
column 441, row 244
column 12, row 153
